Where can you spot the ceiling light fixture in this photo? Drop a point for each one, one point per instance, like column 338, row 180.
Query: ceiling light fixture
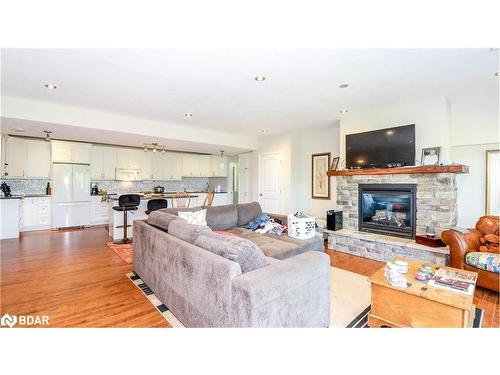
column 497, row 74
column 145, row 147
column 221, row 153
column 155, row 147
column 188, row 114
column 50, row 86
column 343, row 111
column 163, row 150
column 263, row 131
column 260, row 78
column 19, row 129
column 47, row 134
column 344, row 86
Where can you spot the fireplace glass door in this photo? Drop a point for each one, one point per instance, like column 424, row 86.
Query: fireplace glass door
column 387, row 209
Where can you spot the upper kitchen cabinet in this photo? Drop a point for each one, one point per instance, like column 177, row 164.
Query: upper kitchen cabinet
column 190, row 165
column 146, row 165
column 37, row 159
column 204, row 161
column 70, row 152
column 218, row 166
column 128, row 158
column 26, row 158
column 15, row 158
column 102, row 163
column 173, row 166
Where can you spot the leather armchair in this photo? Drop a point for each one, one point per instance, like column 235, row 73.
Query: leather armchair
column 460, row 244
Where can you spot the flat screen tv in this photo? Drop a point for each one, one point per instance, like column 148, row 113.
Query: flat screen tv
column 391, row 147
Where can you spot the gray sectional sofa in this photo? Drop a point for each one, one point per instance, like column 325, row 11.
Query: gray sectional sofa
column 204, row 289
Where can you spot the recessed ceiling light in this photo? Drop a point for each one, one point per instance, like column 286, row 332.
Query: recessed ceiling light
column 19, row 129
column 344, row 85
column 50, row 86
column 263, row 131
column 343, row 111
column 497, row 74
column 188, row 115
column 260, row 78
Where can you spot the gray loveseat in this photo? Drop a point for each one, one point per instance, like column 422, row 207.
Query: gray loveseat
column 203, row 289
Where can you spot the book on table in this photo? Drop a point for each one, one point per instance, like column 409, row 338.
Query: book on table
column 454, row 280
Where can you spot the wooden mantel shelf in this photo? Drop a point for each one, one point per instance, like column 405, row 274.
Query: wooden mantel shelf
column 403, row 170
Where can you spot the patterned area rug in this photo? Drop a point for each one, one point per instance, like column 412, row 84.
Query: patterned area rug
column 123, row 251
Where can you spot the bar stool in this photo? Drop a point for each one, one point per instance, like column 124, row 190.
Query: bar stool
column 126, row 203
column 156, row 204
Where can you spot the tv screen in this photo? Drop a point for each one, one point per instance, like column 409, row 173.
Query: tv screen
column 381, row 148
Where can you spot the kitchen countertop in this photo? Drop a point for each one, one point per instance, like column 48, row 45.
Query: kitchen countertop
column 26, row 196
column 155, row 196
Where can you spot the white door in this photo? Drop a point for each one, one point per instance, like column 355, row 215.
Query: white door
column 62, row 182
column 271, row 182
column 81, row 183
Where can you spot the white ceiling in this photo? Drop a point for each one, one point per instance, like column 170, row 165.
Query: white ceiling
column 218, row 86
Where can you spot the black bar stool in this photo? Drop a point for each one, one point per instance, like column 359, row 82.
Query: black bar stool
column 126, row 203
column 156, row 204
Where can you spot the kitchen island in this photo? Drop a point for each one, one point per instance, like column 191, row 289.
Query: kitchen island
column 116, row 217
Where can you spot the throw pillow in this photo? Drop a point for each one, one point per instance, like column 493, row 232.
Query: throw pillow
column 195, row 217
column 187, row 232
column 239, row 250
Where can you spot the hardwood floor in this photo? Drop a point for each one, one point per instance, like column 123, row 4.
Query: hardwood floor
column 75, row 279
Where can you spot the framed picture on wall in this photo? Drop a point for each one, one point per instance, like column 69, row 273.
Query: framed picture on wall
column 492, row 182
column 320, row 182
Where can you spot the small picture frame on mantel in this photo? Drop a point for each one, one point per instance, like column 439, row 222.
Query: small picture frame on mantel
column 335, row 163
column 431, row 156
column 320, row 181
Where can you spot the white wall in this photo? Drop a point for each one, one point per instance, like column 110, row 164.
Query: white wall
column 304, row 144
column 472, row 186
column 431, row 119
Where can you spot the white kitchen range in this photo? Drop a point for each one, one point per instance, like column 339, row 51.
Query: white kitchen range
column 52, row 184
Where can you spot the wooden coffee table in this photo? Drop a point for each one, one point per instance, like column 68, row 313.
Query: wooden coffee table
column 418, row 305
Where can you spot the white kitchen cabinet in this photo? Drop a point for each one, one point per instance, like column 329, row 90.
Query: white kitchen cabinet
column 173, row 166
column 15, row 157
column 99, row 210
column 147, row 165
column 70, row 152
column 218, row 166
column 102, row 163
column 36, row 213
column 96, row 161
column 158, row 166
column 9, row 220
column 205, row 165
column 190, row 165
column 37, row 159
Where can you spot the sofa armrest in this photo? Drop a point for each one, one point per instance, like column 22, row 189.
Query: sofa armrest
column 279, row 218
column 460, row 244
column 289, row 293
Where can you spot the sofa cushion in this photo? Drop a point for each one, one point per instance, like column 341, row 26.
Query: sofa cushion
column 161, row 219
column 222, row 217
column 187, row 232
column 483, row 261
column 280, row 247
column 247, row 212
column 236, row 249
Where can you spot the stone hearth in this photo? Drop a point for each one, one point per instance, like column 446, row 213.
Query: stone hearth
column 436, row 197
column 436, row 201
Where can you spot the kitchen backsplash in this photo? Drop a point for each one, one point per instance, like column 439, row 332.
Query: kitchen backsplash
column 20, row 186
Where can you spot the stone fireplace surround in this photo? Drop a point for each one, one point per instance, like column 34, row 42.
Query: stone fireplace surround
column 436, row 201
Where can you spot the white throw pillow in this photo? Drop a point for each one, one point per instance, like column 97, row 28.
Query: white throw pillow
column 195, row 217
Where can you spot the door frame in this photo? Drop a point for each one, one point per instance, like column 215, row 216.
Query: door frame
column 259, row 178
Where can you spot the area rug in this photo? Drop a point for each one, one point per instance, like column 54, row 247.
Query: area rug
column 123, row 251
column 350, row 299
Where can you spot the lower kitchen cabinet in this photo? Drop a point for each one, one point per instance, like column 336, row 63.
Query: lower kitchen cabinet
column 35, row 213
column 99, row 211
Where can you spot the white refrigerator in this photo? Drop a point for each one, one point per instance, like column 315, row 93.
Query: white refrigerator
column 70, row 195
